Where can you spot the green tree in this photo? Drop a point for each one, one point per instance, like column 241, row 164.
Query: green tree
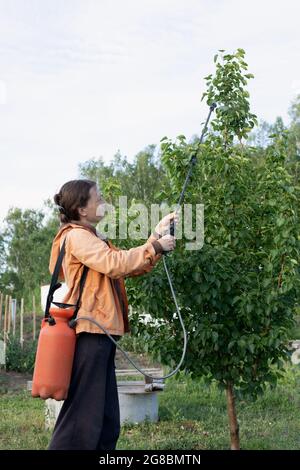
column 294, row 113
column 261, row 137
column 26, row 241
column 228, row 88
column 140, row 180
column 237, row 294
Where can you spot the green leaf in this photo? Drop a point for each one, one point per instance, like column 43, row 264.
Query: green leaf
column 280, row 221
column 196, row 276
column 267, row 282
column 215, row 336
column 249, row 308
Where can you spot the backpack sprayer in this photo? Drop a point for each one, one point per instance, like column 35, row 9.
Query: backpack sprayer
column 52, row 371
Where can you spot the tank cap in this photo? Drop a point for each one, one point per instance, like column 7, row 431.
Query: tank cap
column 51, row 321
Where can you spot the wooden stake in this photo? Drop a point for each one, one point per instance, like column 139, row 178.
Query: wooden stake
column 14, row 303
column 1, row 305
column 33, row 317
column 21, row 323
column 5, row 316
column 5, row 321
column 9, row 315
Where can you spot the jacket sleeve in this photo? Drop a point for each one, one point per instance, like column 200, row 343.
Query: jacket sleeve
column 94, row 253
column 139, row 272
column 147, row 269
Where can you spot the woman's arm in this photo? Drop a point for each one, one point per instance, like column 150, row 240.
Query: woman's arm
column 94, row 253
column 158, row 249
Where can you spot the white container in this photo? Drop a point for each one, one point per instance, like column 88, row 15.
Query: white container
column 52, row 409
column 58, row 296
column 136, row 405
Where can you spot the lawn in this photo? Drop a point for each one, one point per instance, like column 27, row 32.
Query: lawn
column 192, row 416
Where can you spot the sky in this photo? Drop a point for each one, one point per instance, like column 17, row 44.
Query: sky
column 80, row 79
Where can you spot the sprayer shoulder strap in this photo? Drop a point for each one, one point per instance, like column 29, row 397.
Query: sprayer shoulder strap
column 54, row 285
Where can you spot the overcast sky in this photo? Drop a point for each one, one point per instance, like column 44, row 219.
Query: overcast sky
column 81, row 79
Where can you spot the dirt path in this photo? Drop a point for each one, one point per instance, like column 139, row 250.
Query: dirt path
column 12, row 381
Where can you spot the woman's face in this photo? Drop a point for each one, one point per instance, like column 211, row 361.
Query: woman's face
column 95, row 208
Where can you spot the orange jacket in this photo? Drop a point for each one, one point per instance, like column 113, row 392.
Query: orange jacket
column 104, row 296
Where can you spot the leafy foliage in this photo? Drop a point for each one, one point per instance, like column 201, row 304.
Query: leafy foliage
column 227, row 87
column 26, row 242
column 239, row 291
column 20, row 359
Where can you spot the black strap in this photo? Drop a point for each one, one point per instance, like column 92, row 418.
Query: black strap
column 54, row 285
column 81, row 286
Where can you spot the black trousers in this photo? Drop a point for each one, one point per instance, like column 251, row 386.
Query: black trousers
column 90, row 416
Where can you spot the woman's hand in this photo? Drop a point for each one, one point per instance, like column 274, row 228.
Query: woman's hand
column 164, row 225
column 168, row 242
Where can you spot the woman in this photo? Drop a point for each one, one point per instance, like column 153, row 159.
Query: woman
column 90, row 416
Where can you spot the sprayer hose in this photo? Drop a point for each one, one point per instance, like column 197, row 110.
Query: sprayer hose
column 122, row 350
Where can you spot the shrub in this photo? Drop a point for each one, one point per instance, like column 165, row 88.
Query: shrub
column 20, row 359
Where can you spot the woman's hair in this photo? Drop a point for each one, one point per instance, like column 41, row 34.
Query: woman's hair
column 72, row 195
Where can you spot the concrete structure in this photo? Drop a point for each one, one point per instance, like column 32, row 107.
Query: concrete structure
column 136, row 405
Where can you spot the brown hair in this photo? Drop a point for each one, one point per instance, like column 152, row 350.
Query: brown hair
column 72, row 195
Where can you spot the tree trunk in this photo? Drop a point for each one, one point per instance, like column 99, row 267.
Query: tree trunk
column 233, row 424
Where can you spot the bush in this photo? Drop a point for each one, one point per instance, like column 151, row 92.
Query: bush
column 295, row 333
column 20, row 359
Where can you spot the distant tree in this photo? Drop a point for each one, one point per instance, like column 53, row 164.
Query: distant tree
column 140, row 180
column 26, row 242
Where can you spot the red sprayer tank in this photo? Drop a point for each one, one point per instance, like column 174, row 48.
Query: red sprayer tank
column 54, row 356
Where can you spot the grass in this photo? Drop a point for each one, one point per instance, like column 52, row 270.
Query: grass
column 192, row 416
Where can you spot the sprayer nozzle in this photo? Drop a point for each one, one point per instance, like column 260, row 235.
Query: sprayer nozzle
column 154, row 385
